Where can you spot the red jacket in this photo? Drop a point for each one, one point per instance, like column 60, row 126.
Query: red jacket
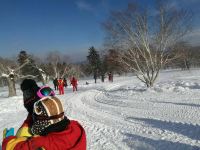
column 72, row 138
column 74, row 82
column 60, row 83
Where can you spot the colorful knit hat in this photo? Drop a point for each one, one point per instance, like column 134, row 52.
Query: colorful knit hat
column 46, row 112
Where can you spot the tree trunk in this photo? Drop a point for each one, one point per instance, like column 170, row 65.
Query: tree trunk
column 11, row 87
column 150, row 81
column 44, row 80
column 149, row 84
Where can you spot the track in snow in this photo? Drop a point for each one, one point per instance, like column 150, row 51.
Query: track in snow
column 115, row 120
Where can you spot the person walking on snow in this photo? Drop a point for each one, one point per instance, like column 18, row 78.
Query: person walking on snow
column 61, row 86
column 55, row 83
column 65, row 82
column 74, row 83
column 110, row 77
column 50, row 130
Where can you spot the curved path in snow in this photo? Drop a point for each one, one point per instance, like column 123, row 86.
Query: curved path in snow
column 124, row 115
column 119, row 118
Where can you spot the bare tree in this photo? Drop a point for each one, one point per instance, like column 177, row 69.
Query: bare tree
column 75, row 70
column 189, row 55
column 186, row 55
column 10, row 71
column 43, row 76
column 57, row 64
column 144, row 40
column 113, row 65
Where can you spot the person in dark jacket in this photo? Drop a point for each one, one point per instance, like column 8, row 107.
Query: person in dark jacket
column 55, row 83
column 95, row 77
column 65, row 82
column 50, row 129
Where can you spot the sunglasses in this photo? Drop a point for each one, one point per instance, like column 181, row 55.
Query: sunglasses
column 45, row 91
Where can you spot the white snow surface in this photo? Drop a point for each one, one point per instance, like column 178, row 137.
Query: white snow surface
column 125, row 115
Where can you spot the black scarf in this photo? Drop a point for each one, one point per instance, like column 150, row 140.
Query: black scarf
column 57, row 127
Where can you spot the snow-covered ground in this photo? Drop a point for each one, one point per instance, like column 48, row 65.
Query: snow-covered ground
column 124, row 115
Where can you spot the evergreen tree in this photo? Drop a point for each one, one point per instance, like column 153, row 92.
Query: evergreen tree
column 28, row 69
column 94, row 61
column 22, row 57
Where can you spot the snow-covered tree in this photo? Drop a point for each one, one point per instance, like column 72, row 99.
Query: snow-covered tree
column 56, row 64
column 42, row 75
column 74, row 70
column 11, row 72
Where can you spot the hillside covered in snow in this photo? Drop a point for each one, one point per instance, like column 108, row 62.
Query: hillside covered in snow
column 125, row 115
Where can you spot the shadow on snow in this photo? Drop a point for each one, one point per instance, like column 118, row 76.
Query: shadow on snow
column 137, row 142
column 182, row 104
column 189, row 130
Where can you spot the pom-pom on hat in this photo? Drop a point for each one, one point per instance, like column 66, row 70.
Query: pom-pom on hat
column 46, row 112
column 29, row 84
column 29, row 88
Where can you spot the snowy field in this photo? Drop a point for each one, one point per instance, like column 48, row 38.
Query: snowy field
column 124, row 115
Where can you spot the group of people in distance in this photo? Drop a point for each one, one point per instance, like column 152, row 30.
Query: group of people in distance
column 46, row 126
column 60, row 84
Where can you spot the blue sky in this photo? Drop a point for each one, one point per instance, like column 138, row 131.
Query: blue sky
column 68, row 26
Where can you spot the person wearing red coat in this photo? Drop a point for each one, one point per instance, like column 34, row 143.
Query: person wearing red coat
column 74, row 83
column 61, row 86
column 110, row 77
column 49, row 129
